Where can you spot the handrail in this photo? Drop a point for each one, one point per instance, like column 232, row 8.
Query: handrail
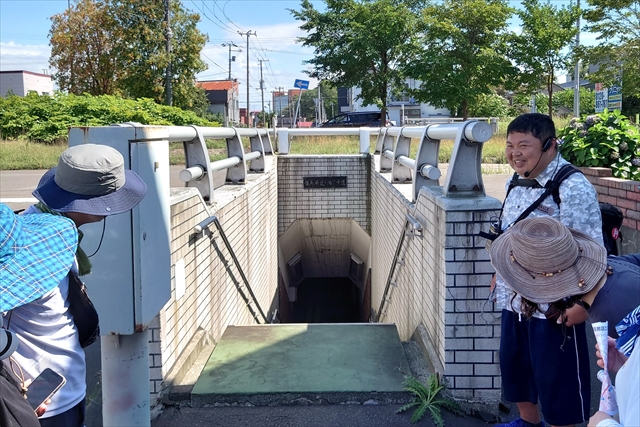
column 199, row 229
column 464, row 177
column 414, row 228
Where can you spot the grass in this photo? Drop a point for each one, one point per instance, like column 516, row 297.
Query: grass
column 15, row 155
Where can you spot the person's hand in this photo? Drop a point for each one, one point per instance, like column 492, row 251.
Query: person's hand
column 574, row 315
column 615, row 357
column 40, row 410
column 493, row 283
column 597, row 417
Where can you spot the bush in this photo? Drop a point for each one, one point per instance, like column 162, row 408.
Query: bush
column 607, row 139
column 491, row 105
column 42, row 118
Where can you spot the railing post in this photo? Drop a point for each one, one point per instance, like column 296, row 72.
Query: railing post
column 399, row 172
column 283, row 141
column 365, row 140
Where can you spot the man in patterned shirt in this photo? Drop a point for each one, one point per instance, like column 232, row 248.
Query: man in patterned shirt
column 540, row 359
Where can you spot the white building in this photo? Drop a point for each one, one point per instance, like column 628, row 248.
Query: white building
column 22, row 82
column 396, row 106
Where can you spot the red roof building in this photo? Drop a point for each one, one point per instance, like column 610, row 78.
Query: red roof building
column 223, row 99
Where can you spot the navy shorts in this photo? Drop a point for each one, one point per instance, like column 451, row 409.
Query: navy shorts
column 540, row 359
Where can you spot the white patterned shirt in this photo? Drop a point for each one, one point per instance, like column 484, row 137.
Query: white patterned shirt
column 578, row 209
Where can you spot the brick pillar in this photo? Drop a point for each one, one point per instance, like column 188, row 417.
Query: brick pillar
column 472, row 326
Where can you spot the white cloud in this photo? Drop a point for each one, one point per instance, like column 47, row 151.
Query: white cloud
column 15, row 56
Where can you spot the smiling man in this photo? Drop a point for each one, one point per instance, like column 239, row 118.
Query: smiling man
column 542, row 360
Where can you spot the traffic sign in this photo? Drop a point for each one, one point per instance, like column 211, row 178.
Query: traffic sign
column 301, row 84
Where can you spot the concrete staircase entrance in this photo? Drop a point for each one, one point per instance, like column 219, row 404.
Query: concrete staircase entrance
column 304, row 363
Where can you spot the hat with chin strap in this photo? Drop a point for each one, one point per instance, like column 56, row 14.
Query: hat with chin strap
column 90, row 179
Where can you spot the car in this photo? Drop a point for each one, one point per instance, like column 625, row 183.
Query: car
column 356, row 119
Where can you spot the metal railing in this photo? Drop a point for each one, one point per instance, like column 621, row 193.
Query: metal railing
column 199, row 169
column 412, row 228
column 421, row 121
column 464, row 176
column 285, row 135
column 250, row 300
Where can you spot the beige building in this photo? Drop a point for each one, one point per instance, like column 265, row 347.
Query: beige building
column 22, row 82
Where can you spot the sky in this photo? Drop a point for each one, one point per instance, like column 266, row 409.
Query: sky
column 25, row 24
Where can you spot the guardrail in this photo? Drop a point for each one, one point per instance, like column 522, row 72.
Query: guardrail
column 285, row 135
column 199, row 169
column 464, row 176
column 493, row 121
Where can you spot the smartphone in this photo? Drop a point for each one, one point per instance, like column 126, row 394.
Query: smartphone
column 43, row 387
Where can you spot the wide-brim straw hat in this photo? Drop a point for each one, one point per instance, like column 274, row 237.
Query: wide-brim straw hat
column 8, row 343
column 90, row 179
column 544, row 261
column 36, row 253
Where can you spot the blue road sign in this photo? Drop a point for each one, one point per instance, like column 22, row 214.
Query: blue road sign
column 301, row 84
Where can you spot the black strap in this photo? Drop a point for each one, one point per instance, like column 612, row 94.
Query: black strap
column 552, row 187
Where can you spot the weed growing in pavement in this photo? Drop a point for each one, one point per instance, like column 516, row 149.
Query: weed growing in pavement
column 428, row 398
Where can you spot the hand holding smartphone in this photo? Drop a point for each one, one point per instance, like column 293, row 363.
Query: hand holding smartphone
column 43, row 387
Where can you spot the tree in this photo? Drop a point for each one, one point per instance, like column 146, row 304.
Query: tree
column 489, row 105
column 587, row 100
column 541, row 48
column 141, row 49
column 81, row 49
column 459, row 52
column 617, row 23
column 122, row 42
column 358, row 43
column 308, row 102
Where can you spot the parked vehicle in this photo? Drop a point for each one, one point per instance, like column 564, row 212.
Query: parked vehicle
column 356, row 119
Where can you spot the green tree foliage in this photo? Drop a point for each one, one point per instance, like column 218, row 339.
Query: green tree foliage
column 122, row 42
column 308, row 103
column 617, row 23
column 358, row 43
column 489, row 105
column 564, row 98
column 459, row 52
column 141, row 48
column 607, row 139
column 81, row 49
column 42, row 118
column 540, row 50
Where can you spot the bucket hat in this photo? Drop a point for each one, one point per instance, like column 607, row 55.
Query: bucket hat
column 8, row 343
column 36, row 253
column 90, row 179
column 544, row 261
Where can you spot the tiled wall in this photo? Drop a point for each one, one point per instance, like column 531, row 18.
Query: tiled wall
column 443, row 286
column 295, row 201
column 248, row 215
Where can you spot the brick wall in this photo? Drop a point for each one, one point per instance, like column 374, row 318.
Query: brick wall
column 294, row 201
column 442, row 289
column 624, row 194
column 210, row 301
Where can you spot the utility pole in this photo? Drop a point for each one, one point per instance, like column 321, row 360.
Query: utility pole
column 167, row 16
column 262, row 90
column 248, row 33
column 231, row 58
column 576, row 74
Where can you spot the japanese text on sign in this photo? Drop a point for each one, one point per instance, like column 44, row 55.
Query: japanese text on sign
column 324, row 181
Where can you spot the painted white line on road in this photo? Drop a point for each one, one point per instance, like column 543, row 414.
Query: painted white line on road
column 19, row 200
